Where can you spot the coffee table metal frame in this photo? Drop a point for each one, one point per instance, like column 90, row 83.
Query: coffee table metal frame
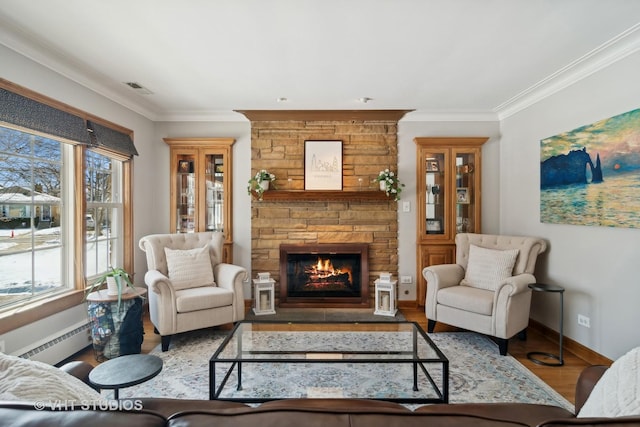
column 410, row 356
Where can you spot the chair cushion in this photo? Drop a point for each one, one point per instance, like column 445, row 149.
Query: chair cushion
column 466, row 298
column 203, row 298
column 487, row 268
column 617, row 393
column 189, row 268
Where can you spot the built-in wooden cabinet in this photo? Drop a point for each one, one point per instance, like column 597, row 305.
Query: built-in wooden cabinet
column 448, row 198
column 200, row 190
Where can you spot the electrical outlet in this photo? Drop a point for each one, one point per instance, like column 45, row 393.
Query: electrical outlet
column 406, row 280
column 584, row 321
column 2, row 349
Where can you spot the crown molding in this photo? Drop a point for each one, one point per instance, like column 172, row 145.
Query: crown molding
column 450, row 116
column 603, row 56
column 201, row 116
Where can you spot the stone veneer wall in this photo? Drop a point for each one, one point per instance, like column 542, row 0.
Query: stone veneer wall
column 368, row 147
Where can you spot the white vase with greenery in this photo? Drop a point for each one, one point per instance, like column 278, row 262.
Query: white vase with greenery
column 260, row 182
column 389, row 183
column 118, row 283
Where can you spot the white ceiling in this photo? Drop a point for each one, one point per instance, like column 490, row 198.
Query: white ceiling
column 202, row 59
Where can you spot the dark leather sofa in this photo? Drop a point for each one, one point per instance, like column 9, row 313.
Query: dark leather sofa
column 304, row 412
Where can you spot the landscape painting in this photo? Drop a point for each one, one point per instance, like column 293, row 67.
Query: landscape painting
column 591, row 175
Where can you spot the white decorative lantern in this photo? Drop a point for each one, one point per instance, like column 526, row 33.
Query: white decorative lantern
column 264, row 297
column 263, row 277
column 385, row 298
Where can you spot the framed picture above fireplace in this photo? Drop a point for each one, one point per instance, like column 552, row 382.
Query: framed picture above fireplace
column 323, row 165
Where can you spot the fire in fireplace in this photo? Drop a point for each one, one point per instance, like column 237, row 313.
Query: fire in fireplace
column 324, row 275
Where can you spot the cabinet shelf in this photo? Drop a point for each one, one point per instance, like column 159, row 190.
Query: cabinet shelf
column 322, row 196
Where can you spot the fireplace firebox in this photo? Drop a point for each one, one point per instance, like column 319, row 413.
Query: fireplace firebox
column 324, row 275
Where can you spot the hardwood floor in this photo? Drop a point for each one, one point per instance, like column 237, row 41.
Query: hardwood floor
column 562, row 379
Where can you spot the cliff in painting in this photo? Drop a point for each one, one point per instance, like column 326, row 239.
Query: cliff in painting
column 566, row 169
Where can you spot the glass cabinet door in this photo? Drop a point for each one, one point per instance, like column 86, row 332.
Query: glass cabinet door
column 186, row 194
column 465, row 192
column 214, row 196
column 447, row 198
column 435, row 197
column 201, row 197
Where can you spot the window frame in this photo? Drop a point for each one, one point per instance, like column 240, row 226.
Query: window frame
column 19, row 315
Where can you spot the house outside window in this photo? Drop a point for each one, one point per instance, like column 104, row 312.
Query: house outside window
column 34, row 225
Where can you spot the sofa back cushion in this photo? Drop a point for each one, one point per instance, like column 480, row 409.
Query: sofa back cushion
column 78, row 415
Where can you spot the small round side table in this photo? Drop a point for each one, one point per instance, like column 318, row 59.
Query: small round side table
column 125, row 371
column 535, row 356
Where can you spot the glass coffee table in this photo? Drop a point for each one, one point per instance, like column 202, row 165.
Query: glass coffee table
column 393, row 361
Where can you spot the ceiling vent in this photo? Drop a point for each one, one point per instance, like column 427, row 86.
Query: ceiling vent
column 139, row 88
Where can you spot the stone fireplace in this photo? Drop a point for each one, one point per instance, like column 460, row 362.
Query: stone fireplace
column 359, row 212
column 324, row 275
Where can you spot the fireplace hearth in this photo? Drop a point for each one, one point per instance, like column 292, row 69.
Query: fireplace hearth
column 324, row 275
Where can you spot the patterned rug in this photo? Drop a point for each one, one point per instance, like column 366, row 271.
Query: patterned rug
column 477, row 373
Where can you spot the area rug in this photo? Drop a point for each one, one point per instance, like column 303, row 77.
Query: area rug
column 477, row 373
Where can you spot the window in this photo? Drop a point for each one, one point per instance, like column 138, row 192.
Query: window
column 65, row 204
column 104, row 213
column 37, row 222
column 33, row 225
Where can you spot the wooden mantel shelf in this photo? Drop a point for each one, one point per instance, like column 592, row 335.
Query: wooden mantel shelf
column 322, row 196
column 321, row 115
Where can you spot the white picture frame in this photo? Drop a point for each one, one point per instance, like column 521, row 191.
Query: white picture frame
column 323, row 165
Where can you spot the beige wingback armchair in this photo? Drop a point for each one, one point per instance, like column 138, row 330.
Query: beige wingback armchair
column 176, row 309
column 499, row 309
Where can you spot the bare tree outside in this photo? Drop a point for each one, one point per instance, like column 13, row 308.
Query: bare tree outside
column 30, row 210
column 102, row 206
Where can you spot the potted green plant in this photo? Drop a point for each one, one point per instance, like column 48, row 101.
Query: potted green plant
column 118, row 282
column 389, row 183
column 260, row 182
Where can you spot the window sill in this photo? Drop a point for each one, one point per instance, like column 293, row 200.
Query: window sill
column 16, row 317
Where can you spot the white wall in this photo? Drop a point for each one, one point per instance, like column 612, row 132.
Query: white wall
column 407, row 225
column 598, row 266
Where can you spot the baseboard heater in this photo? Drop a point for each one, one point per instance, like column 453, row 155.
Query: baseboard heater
column 55, row 348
